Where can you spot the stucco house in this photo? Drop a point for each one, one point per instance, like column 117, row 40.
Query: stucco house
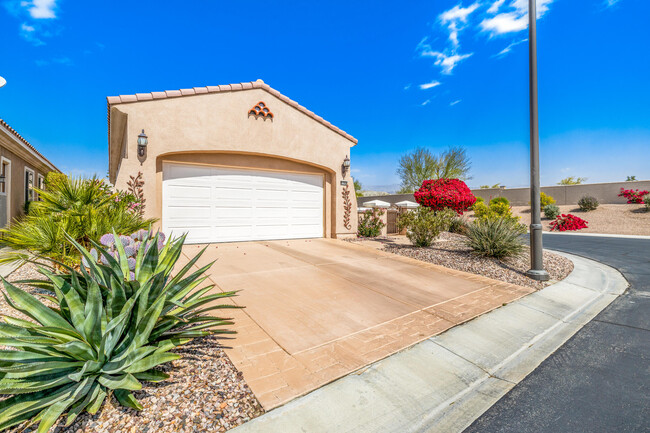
column 22, row 168
column 234, row 162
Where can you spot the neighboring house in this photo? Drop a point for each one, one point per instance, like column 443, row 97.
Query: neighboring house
column 234, row 162
column 22, row 168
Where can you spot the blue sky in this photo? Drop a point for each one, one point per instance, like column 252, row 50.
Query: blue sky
column 396, row 75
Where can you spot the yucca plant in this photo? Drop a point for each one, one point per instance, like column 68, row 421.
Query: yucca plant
column 109, row 328
column 496, row 237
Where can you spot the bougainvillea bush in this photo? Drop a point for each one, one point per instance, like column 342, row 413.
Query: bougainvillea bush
column 633, row 196
column 445, row 194
column 568, row 222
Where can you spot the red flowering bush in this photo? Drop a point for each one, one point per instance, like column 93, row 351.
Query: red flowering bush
column 567, row 222
column 445, row 194
column 633, row 196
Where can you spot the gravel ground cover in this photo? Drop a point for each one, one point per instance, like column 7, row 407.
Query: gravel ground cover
column 622, row 219
column 450, row 251
column 205, row 392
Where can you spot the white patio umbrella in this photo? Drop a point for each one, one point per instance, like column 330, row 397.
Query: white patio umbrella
column 406, row 204
column 362, row 209
column 377, row 204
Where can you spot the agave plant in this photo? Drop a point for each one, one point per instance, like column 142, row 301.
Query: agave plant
column 109, row 329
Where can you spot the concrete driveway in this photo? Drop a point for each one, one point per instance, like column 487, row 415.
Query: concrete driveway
column 319, row 309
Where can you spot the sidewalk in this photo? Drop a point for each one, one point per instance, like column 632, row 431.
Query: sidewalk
column 445, row 382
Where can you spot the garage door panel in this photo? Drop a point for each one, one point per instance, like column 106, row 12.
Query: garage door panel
column 216, row 204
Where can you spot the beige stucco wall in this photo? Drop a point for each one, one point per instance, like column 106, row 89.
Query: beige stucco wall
column 20, row 159
column 216, row 129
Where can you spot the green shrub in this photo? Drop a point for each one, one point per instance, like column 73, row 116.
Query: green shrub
column 551, row 211
column 646, row 202
column 480, row 209
column 53, row 179
column 503, row 200
column 83, row 208
column 546, row 200
column 479, row 200
column 588, row 203
column 496, row 237
column 458, row 225
column 370, row 223
column 109, row 330
column 424, row 225
column 499, row 209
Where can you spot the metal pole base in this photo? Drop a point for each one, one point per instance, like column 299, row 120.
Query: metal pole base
column 538, row 275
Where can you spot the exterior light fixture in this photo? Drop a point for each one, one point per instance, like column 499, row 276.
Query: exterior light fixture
column 2, row 179
column 142, row 143
column 346, row 164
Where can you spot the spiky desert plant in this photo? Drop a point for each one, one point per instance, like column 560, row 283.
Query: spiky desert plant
column 107, row 331
column 496, row 237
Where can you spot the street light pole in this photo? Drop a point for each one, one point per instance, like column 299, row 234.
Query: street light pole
column 536, row 271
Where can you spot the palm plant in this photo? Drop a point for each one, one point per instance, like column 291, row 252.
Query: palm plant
column 109, row 328
column 84, row 209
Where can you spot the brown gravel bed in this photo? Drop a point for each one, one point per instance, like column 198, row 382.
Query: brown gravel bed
column 621, row 219
column 205, row 392
column 450, row 251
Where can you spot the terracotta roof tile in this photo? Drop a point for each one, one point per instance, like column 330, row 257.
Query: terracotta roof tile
column 259, row 84
column 22, row 140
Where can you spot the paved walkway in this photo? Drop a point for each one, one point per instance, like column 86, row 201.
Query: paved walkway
column 319, row 309
column 599, row 381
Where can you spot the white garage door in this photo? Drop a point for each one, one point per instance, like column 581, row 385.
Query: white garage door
column 213, row 204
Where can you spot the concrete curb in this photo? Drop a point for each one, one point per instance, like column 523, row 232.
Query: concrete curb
column 598, row 235
column 444, row 383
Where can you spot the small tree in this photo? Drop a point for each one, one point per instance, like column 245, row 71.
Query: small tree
column 358, row 188
column 420, row 165
column 630, row 179
column 572, row 180
column 424, row 225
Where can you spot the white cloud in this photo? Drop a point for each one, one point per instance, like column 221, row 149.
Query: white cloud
column 429, row 85
column 509, row 48
column 28, row 32
column 408, row 86
column 515, row 19
column 495, row 6
column 454, row 19
column 426, row 102
column 455, row 102
column 41, row 9
column 27, row 28
column 445, row 61
column 610, row 3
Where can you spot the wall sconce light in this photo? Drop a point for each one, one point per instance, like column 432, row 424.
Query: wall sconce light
column 2, row 179
column 346, row 164
column 142, row 143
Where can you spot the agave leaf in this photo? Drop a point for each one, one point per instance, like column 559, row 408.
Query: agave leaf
column 124, row 265
column 78, row 407
column 18, row 322
column 127, row 399
column 38, row 369
column 93, row 311
column 79, row 350
column 13, row 409
column 152, row 376
column 33, row 308
column 119, row 364
column 122, row 381
column 13, row 386
column 52, row 413
column 151, row 361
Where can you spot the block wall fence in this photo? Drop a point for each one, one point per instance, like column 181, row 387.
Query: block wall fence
column 606, row 193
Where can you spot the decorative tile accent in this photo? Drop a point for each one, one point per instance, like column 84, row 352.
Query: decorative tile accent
column 347, row 208
column 136, row 185
column 261, row 110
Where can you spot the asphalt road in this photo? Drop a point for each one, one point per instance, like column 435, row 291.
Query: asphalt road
column 599, row 380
